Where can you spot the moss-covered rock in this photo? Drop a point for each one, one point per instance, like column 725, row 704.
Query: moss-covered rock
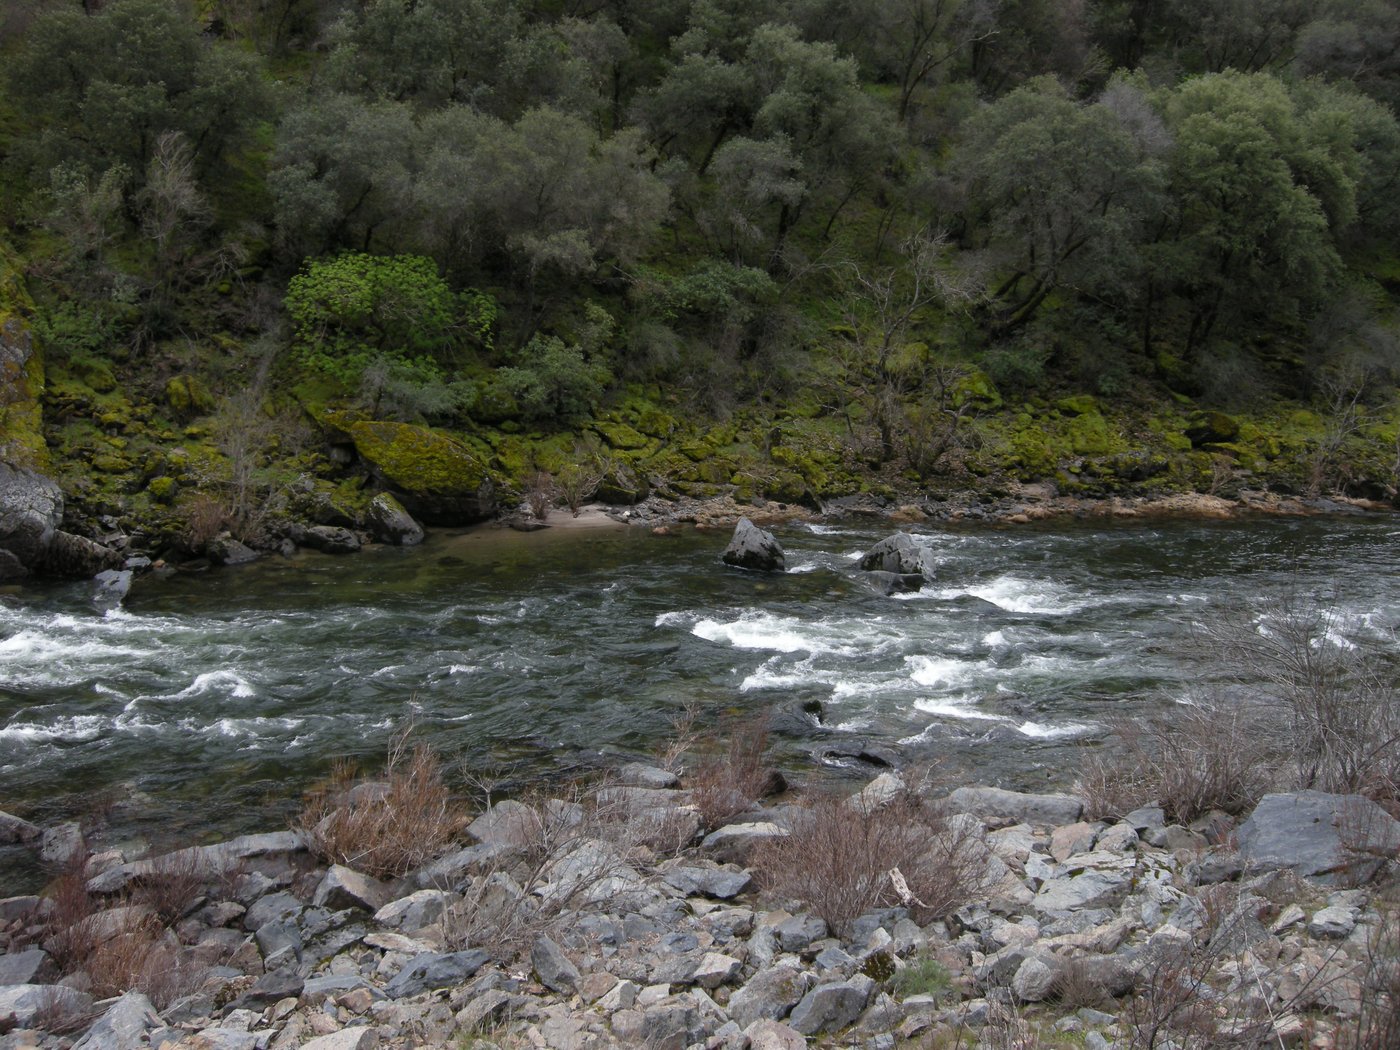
column 621, row 437
column 435, row 476
column 163, row 490
column 1212, row 428
column 188, row 396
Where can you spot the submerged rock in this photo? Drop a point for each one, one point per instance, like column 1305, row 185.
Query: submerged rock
column 754, row 548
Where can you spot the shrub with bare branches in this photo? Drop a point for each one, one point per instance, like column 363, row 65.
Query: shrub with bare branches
column 390, row 830
column 843, row 861
column 725, row 785
column 1190, row 762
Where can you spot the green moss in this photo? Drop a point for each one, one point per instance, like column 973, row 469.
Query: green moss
column 188, row 396
column 1078, row 405
column 1089, row 434
column 418, row 459
column 163, row 490
column 621, row 436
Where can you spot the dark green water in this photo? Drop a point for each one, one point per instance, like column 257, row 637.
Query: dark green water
column 211, row 700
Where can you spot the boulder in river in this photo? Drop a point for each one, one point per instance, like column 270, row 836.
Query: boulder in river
column 389, row 522
column 899, row 554
column 754, row 548
column 888, row 583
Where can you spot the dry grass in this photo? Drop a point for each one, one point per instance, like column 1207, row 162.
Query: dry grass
column 843, row 862
column 1377, row 1026
column 384, row 833
column 1196, row 760
column 724, row 785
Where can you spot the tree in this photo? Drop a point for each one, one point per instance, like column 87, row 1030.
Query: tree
column 104, row 87
column 1062, row 190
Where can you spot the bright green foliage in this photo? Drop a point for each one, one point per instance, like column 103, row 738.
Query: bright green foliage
column 354, row 309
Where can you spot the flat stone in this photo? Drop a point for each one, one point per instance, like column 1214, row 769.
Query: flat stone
column 25, row 967
column 995, row 804
column 1335, row 922
column 735, row 842
column 1318, row 835
column 346, row 1039
column 483, row 1010
column 1070, row 839
column 718, row 883
column 638, row 774
column 877, row 794
column 508, row 823
column 415, row 911
column 124, row 1026
column 472, row 860
column 435, row 970
column 217, row 859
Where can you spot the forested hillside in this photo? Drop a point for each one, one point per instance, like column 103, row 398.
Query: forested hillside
column 782, row 248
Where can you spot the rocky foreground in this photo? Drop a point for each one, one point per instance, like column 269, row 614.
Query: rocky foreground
column 607, row 920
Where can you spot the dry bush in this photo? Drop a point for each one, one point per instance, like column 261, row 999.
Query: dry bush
column 725, row 785
column 204, row 518
column 1337, row 696
column 175, row 886
column 142, row 957
column 1377, row 1026
column 843, row 861
column 540, row 491
column 69, row 935
column 389, row 832
column 59, row 1015
column 1198, row 759
column 1075, row 987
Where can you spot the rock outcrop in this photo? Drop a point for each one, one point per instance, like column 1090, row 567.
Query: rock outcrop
column 437, row 478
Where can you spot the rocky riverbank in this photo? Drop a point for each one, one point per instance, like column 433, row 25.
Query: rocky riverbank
column 608, row 919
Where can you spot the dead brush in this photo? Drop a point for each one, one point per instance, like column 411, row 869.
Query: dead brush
column 387, row 832
column 1198, row 759
column 843, row 861
column 724, row 785
column 175, row 887
column 141, row 957
column 1377, row 1024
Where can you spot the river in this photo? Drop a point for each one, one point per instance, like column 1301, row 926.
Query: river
column 208, row 702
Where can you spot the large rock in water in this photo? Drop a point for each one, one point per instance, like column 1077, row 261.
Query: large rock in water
column 1318, row 835
column 900, row 555
column 388, row 522
column 31, row 507
column 754, row 548
column 436, row 477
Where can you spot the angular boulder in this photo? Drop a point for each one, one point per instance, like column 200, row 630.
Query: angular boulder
column 331, row 539
column 69, row 555
column 31, row 507
column 388, row 522
column 1318, row 835
column 1014, row 807
column 899, row 554
column 437, row 478
column 754, row 548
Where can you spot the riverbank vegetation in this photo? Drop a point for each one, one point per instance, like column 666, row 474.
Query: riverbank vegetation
column 790, row 249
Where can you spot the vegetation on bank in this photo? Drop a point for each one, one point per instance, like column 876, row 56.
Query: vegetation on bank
column 791, row 249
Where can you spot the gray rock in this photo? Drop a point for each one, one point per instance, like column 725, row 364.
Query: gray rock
column 361, row 1038
column 735, row 842
column 638, row 774
column 553, row 967
column 900, row 555
column 344, row 887
column 280, row 943
column 78, row 556
column 27, row 1000
column 388, row 522
column 31, row 508
column 797, row 933
column 314, row 989
column 110, row 587
column 877, row 794
column 225, row 550
column 222, row 1039
column 415, row 911
column 124, row 1026
column 217, row 859
column 472, row 860
column 331, row 539
column 13, row 829
column 754, row 548
column 1335, row 922
column 829, row 1007
column 1035, row 979
column 270, row 988
column 272, row 907
column 1146, row 818
column 507, row 823
column 1318, row 835
column 715, row 969
column 718, row 883
column 61, row 844
column 26, row 967
column 435, row 970
column 995, row 804
column 770, row 993
column 774, row 1035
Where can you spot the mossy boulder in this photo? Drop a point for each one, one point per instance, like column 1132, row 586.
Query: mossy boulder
column 188, row 396
column 94, row 373
column 437, row 478
column 620, row 436
column 1089, row 434
column 1212, row 428
column 163, row 490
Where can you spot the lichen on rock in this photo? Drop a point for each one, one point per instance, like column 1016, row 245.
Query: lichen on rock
column 436, row 477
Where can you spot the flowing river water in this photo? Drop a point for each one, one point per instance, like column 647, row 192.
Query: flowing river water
column 209, row 701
